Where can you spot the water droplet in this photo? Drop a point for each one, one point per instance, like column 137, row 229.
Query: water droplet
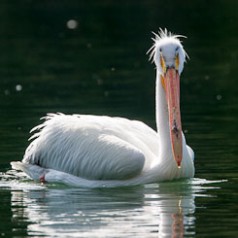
column 89, row 45
column 106, row 93
column 18, row 87
column 219, row 97
column 72, row 24
column 6, row 92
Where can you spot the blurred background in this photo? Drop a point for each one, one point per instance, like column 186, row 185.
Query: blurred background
column 89, row 57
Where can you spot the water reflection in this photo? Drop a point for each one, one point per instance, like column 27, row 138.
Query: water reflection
column 151, row 211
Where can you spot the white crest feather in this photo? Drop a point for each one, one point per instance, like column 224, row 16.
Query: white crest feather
column 162, row 34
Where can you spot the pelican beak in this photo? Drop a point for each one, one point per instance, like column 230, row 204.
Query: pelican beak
column 172, row 89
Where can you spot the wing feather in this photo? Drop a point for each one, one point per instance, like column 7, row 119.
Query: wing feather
column 92, row 147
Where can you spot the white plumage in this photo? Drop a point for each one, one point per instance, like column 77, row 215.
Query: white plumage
column 97, row 151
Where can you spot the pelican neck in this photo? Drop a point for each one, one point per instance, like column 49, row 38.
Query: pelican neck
column 162, row 115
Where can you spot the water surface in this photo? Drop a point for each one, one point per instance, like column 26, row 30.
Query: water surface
column 167, row 209
column 100, row 67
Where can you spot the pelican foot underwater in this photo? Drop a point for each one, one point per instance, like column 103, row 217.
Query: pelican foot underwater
column 101, row 151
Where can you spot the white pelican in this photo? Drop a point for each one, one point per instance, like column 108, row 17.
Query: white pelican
column 102, row 151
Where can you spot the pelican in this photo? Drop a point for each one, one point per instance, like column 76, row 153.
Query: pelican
column 101, row 151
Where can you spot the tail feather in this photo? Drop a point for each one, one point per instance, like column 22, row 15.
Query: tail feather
column 53, row 176
column 33, row 171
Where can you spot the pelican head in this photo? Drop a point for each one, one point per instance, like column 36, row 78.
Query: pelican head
column 169, row 57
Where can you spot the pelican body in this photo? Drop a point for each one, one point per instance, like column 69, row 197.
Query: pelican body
column 102, row 151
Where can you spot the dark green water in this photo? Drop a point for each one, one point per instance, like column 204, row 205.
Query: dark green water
column 100, row 67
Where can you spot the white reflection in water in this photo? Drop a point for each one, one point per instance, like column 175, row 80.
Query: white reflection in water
column 165, row 210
